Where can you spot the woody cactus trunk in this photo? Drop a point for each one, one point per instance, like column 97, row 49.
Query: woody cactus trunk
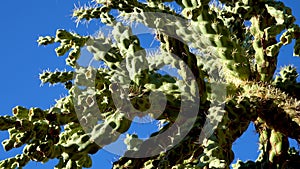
column 237, row 40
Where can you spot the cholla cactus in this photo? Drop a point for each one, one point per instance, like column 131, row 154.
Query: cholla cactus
column 103, row 102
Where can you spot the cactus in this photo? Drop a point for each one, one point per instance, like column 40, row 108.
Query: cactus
column 210, row 46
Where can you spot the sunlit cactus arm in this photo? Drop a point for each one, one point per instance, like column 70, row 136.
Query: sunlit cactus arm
column 274, row 146
column 279, row 148
column 134, row 5
column 218, row 147
column 217, row 40
column 132, row 52
column 262, row 15
column 46, row 40
column 31, row 130
column 118, row 28
column 170, row 43
column 117, row 122
column 265, row 31
column 71, row 145
column 68, row 42
column 266, row 63
column 205, row 22
column 182, row 156
column 28, row 123
column 183, row 30
column 283, row 15
column 213, row 153
column 56, row 77
column 39, row 130
column 14, row 162
column 101, row 12
column 274, row 150
column 127, row 48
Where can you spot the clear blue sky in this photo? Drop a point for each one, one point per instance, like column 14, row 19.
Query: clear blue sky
column 22, row 22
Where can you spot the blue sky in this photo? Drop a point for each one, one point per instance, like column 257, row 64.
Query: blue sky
column 22, row 61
